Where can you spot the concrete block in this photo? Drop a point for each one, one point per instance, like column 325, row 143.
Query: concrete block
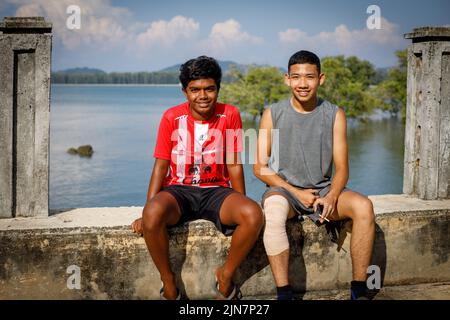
column 25, row 50
column 427, row 138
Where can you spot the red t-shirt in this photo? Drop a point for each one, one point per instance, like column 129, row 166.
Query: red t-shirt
column 197, row 149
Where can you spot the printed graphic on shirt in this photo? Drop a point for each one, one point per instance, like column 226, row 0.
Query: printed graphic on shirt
column 196, row 149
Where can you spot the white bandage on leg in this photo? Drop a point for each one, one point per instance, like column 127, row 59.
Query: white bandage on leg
column 276, row 210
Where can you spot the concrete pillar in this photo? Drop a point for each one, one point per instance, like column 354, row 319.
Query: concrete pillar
column 25, row 48
column 427, row 138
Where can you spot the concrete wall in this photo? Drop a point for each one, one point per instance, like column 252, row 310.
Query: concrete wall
column 25, row 47
column 412, row 246
column 427, row 130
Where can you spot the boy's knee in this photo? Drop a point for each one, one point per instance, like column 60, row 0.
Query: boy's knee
column 153, row 216
column 364, row 210
column 252, row 215
column 276, row 210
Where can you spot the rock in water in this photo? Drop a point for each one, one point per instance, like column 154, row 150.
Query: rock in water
column 72, row 151
column 85, row 151
column 82, row 151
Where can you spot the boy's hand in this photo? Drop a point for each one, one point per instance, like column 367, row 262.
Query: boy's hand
column 136, row 226
column 328, row 203
column 306, row 196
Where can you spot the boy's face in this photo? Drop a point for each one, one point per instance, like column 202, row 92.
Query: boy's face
column 202, row 96
column 304, row 80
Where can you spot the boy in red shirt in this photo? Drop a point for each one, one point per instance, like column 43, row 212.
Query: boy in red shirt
column 196, row 159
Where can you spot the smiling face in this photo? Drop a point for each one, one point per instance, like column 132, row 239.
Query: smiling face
column 304, row 80
column 202, row 97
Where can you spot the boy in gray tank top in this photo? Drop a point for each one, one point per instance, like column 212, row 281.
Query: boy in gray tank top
column 300, row 140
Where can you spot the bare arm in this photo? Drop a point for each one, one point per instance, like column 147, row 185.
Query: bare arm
column 340, row 154
column 261, row 169
column 158, row 174
column 340, row 159
column 236, row 173
column 263, row 151
column 156, row 181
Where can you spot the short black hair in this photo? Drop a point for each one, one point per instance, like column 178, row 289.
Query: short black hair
column 304, row 56
column 202, row 67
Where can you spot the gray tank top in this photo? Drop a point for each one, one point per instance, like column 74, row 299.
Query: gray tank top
column 302, row 147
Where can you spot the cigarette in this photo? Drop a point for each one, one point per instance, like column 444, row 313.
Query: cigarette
column 324, row 218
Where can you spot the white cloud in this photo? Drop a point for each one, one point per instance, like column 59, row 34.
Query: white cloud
column 291, row 35
column 167, row 33
column 344, row 41
column 101, row 23
column 229, row 33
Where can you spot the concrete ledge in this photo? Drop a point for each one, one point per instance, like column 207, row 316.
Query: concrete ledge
column 25, row 25
column 412, row 246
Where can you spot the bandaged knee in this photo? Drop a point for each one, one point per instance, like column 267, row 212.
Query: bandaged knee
column 276, row 210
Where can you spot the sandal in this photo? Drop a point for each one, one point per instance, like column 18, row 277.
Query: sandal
column 234, row 295
column 161, row 294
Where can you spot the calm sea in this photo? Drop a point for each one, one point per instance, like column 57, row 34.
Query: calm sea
column 121, row 124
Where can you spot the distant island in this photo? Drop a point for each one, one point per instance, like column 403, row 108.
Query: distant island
column 167, row 75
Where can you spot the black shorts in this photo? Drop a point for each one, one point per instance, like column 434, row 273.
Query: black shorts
column 201, row 203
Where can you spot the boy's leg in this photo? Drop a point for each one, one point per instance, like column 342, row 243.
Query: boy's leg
column 276, row 211
column 160, row 212
column 360, row 209
column 246, row 214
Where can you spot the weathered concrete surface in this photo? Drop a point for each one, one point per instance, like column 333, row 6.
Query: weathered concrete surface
column 428, row 33
column 427, row 291
column 427, row 135
column 25, row 49
column 412, row 246
column 25, row 25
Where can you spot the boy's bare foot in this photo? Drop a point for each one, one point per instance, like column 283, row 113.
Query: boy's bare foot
column 170, row 290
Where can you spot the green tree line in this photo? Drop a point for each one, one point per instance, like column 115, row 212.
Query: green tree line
column 115, row 78
column 351, row 83
column 157, row 77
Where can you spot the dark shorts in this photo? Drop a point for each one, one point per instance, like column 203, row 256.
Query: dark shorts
column 298, row 207
column 333, row 228
column 201, row 203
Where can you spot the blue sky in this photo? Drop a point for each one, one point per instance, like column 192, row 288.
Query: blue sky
column 119, row 35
